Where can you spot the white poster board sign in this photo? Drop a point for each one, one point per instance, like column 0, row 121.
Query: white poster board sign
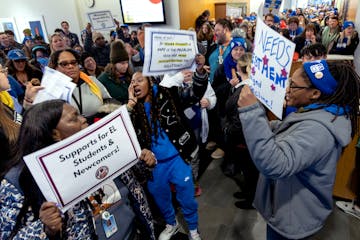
column 56, row 86
column 272, row 6
column 101, row 20
column 71, row 169
column 270, row 67
column 169, row 51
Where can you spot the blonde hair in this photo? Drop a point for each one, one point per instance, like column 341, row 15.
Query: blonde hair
column 244, row 62
column 10, row 128
column 51, row 40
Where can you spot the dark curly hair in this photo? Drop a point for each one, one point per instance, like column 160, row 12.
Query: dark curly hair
column 347, row 93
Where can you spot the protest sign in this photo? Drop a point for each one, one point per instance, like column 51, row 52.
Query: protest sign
column 56, row 86
column 101, row 20
column 270, row 67
column 71, row 169
column 169, row 51
column 272, row 6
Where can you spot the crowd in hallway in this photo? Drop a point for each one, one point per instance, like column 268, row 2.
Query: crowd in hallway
column 287, row 167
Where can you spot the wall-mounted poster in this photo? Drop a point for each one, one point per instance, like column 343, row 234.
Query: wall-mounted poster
column 9, row 24
column 35, row 24
column 36, row 28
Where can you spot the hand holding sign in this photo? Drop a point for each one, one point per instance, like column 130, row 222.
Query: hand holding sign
column 31, row 92
column 235, row 80
column 246, row 97
column 187, row 75
column 50, row 216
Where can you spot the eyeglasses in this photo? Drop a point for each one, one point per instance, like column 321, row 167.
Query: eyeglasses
column 67, row 63
column 293, row 86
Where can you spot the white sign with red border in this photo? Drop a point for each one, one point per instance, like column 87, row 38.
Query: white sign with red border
column 69, row 170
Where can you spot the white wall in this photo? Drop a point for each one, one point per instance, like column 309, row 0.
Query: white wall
column 73, row 11
column 171, row 13
column 52, row 11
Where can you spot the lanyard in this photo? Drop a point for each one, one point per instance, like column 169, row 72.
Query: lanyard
column 78, row 103
column 222, row 49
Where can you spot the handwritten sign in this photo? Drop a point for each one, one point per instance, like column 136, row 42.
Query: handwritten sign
column 101, row 20
column 271, row 6
column 270, row 67
column 71, row 169
column 169, row 51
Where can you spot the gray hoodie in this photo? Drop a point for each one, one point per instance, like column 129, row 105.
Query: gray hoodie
column 297, row 159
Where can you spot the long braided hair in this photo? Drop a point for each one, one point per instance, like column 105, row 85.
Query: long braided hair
column 347, row 93
column 142, row 126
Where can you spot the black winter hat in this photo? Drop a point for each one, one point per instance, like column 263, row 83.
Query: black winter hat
column 118, row 52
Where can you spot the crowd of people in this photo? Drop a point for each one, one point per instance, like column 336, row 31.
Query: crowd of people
column 288, row 171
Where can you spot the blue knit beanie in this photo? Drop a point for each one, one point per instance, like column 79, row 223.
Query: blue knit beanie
column 238, row 42
column 348, row 24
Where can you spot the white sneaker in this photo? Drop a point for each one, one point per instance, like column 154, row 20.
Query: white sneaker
column 169, row 231
column 349, row 207
column 194, row 235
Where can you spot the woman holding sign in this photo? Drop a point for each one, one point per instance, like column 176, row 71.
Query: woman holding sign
column 159, row 127
column 297, row 157
column 25, row 214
